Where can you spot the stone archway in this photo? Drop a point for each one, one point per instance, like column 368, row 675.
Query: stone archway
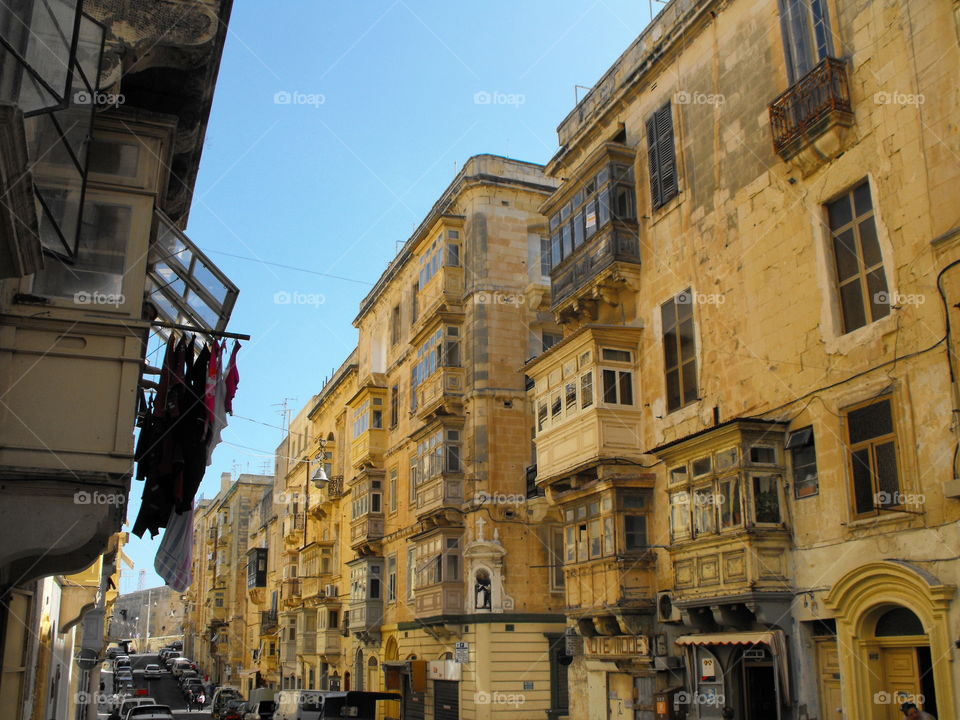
column 859, row 599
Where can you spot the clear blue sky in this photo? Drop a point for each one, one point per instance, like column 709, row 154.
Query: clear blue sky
column 335, row 182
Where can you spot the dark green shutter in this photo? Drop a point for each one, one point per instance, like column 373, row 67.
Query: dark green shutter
column 661, row 155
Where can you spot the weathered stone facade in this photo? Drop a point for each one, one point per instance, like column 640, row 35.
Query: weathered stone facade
column 764, row 304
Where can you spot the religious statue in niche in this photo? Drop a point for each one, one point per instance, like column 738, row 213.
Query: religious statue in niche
column 484, row 558
column 482, row 590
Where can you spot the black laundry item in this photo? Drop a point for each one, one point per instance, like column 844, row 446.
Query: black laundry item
column 171, row 448
column 193, row 432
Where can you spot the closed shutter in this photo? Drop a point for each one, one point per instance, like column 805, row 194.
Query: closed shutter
column 661, row 156
column 413, row 707
column 446, row 700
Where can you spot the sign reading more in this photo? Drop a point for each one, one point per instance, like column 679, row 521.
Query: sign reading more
column 616, row 646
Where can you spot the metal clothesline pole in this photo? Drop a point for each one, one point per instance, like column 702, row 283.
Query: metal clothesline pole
column 200, row 331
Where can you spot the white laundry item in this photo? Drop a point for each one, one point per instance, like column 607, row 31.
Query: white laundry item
column 219, row 410
column 174, row 560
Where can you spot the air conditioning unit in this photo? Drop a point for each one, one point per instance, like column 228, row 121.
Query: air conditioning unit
column 330, row 590
column 667, row 612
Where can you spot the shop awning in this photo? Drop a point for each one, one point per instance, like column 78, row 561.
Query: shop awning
column 773, row 639
column 737, row 638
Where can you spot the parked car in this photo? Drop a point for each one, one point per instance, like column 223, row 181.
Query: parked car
column 121, row 661
column 221, row 696
column 260, row 710
column 186, row 674
column 132, row 702
column 314, row 704
column 234, row 710
column 113, row 651
column 192, row 688
column 151, row 671
column 179, row 665
column 171, row 656
column 150, row 712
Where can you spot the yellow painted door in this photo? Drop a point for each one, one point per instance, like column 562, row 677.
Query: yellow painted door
column 901, row 679
column 828, row 665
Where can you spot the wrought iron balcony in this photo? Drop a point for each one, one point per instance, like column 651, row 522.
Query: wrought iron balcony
column 268, row 621
column 815, row 103
column 618, row 241
column 334, row 488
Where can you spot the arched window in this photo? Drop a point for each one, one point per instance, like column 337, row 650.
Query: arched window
column 899, row 621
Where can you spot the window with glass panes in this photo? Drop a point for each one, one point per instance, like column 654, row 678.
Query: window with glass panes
column 440, row 254
column 439, row 452
column 807, row 40
column 441, row 349
column 438, row 560
column 873, row 457
column 712, row 494
column 679, row 351
column 861, row 279
column 574, row 396
column 369, row 415
column 606, row 196
column 590, row 527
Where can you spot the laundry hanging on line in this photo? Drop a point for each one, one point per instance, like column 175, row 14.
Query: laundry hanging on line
column 181, row 428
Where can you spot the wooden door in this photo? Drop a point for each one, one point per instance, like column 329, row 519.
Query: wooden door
column 901, row 679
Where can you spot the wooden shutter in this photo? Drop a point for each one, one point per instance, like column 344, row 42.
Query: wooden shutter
column 661, row 155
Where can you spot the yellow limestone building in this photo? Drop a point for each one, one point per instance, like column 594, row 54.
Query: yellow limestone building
column 427, row 563
column 750, row 424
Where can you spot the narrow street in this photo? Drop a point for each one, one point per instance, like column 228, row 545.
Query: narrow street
column 163, row 689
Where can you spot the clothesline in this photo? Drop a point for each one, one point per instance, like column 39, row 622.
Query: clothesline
column 201, row 331
column 179, row 430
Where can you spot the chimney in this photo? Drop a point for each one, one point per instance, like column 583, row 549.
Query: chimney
column 225, row 480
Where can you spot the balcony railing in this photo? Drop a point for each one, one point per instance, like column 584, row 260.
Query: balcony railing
column 268, row 621
column 334, row 488
column 617, row 242
column 814, row 103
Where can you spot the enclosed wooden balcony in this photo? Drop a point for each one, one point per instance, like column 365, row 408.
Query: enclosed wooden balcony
column 444, row 291
column 366, row 616
column 306, row 643
column 813, row 113
column 438, row 492
column 290, row 592
column 368, row 449
column 445, row 598
column 594, row 435
column 328, row 642
column 732, row 565
column 615, row 247
column 366, row 529
column 611, row 582
column 293, row 528
column 268, row 622
column 441, row 393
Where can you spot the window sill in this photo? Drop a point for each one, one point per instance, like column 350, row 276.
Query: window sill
column 879, row 519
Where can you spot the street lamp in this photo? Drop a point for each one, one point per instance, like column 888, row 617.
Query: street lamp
column 319, row 478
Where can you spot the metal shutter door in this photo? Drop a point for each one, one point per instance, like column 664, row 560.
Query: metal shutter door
column 446, row 700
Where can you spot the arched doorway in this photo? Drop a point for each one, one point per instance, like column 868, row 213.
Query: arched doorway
column 905, row 664
column 359, row 671
column 891, row 619
column 373, row 675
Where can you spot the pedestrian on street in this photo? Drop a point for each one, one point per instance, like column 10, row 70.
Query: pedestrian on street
column 201, row 700
column 115, row 715
column 912, row 712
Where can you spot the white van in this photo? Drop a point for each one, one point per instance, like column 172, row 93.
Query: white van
column 320, row 704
